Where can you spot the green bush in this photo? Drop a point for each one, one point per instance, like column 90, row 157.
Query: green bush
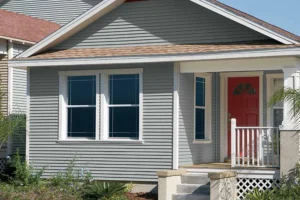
column 105, row 191
column 23, row 174
column 289, row 188
column 71, row 177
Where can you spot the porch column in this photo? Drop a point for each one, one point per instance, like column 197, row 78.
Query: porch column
column 289, row 136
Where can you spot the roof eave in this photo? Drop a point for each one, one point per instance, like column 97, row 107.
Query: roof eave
column 250, row 24
column 289, row 52
column 26, row 42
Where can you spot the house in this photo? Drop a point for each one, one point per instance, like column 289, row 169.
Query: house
column 18, row 32
column 130, row 88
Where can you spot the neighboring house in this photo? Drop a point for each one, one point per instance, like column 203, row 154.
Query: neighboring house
column 18, row 32
column 133, row 87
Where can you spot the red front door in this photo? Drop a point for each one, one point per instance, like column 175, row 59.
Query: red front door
column 243, row 103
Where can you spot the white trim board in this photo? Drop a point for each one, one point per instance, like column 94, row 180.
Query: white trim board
column 73, row 27
column 224, row 105
column 290, row 53
column 176, row 115
column 243, row 21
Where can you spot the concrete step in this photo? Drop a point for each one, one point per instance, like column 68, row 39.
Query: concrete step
column 190, row 197
column 195, row 179
column 193, row 188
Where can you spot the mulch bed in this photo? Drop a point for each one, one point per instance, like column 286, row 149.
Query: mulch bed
column 142, row 196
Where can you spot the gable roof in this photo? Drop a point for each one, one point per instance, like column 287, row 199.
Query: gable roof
column 258, row 21
column 24, row 28
column 249, row 21
column 108, row 5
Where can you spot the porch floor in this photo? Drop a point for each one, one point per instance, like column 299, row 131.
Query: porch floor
column 223, row 166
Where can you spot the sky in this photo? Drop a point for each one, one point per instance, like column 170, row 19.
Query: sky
column 282, row 13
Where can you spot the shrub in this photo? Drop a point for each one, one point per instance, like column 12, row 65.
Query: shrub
column 105, row 191
column 71, row 177
column 289, row 188
column 21, row 173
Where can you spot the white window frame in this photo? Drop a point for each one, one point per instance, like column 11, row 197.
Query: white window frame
column 100, row 135
column 270, row 78
column 208, row 107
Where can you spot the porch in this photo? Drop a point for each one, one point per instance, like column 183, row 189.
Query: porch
column 224, row 120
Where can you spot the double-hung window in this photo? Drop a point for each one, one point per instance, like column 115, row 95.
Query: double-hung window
column 101, row 105
column 81, row 106
column 124, row 95
column 202, row 107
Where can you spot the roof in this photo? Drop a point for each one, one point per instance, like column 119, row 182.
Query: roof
column 105, row 7
column 257, row 21
column 151, row 50
column 22, row 27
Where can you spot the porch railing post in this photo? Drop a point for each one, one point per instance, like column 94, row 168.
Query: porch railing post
column 233, row 142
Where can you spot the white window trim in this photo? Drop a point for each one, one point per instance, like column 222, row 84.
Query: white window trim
column 208, row 108
column 270, row 78
column 103, row 92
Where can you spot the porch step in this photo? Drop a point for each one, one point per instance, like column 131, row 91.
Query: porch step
column 195, row 179
column 191, row 197
column 193, row 188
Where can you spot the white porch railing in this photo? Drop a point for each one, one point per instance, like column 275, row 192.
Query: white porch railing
column 254, row 146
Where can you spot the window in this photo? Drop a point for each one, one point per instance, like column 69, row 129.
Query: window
column 203, row 107
column 81, row 106
column 124, row 106
column 275, row 82
column 100, row 105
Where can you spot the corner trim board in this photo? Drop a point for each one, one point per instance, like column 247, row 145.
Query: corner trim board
column 176, row 115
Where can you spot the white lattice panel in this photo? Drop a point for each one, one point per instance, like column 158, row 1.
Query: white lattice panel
column 246, row 185
column 2, row 164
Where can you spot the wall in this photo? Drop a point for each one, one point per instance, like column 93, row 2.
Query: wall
column 106, row 161
column 156, row 22
column 59, row 11
column 190, row 153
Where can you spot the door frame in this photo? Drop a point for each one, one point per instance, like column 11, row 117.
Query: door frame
column 224, row 105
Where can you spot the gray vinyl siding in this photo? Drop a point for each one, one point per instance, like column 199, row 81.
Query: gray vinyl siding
column 106, row 160
column 190, row 153
column 59, row 11
column 157, row 22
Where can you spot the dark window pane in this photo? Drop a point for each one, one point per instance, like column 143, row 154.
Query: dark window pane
column 82, row 90
column 81, row 122
column 200, row 124
column 277, row 117
column 200, row 91
column 124, row 122
column 124, row 89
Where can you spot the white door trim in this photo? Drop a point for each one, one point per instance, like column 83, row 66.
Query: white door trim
column 224, row 105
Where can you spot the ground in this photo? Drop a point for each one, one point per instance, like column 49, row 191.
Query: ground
column 142, row 196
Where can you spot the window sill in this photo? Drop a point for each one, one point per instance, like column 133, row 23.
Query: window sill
column 202, row 141
column 83, row 141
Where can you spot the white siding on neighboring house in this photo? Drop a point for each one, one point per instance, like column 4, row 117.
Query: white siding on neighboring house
column 19, row 99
